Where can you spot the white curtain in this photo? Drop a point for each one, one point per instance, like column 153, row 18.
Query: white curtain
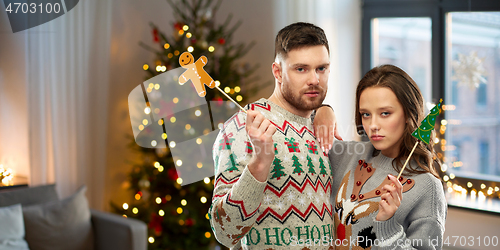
column 67, row 77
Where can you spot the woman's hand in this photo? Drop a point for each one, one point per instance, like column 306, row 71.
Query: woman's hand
column 391, row 200
column 325, row 127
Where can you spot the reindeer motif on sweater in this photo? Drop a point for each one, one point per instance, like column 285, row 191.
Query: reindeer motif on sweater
column 352, row 207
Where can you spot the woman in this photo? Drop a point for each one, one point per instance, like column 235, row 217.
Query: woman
column 369, row 209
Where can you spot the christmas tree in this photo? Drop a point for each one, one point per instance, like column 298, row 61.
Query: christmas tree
column 297, row 165
column 232, row 163
column 423, row 132
column 310, row 165
column 177, row 215
column 322, row 166
column 277, row 170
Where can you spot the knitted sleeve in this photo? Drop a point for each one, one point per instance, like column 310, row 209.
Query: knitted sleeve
column 425, row 232
column 237, row 194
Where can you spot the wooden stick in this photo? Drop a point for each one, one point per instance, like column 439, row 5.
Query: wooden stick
column 230, row 98
column 414, row 147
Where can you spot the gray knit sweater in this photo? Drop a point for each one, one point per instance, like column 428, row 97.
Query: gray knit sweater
column 357, row 181
column 292, row 209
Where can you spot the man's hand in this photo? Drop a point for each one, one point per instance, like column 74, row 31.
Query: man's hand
column 391, row 200
column 260, row 130
column 325, row 127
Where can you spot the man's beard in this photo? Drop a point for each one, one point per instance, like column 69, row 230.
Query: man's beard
column 295, row 99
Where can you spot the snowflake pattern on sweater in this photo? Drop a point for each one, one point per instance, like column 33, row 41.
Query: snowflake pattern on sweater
column 292, row 209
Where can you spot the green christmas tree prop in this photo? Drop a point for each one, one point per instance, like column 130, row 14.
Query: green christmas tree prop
column 297, row 165
column 177, row 216
column 232, row 163
column 277, row 170
column 310, row 165
column 322, row 166
column 423, row 132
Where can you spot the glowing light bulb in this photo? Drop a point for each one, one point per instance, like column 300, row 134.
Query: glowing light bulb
column 158, row 200
column 151, row 240
column 190, row 49
column 199, row 165
column 203, row 199
column 185, row 27
column 166, row 46
column 183, row 202
column 179, row 180
column 145, row 67
column 206, row 180
column 197, row 112
column 125, row 206
column 211, row 49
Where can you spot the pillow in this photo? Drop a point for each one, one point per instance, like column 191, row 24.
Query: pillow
column 60, row 225
column 12, row 228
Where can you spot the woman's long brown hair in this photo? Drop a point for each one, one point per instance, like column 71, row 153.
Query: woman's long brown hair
column 410, row 97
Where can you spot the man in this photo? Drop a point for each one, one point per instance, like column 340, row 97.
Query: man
column 273, row 181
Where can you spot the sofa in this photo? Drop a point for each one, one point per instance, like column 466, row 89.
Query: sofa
column 68, row 224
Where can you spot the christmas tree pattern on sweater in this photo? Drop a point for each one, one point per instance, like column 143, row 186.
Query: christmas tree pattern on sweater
column 294, row 201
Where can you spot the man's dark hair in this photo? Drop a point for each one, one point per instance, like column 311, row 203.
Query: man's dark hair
column 299, row 35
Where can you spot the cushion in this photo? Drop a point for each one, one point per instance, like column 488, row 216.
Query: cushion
column 28, row 196
column 12, row 228
column 60, row 225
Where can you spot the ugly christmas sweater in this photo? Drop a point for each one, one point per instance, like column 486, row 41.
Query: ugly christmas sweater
column 292, row 208
column 357, row 186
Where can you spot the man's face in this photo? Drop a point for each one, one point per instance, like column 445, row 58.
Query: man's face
column 304, row 78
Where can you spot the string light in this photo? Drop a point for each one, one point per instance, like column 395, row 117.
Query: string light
column 211, row 49
column 188, row 126
column 206, row 180
column 207, row 235
column 158, row 200
column 197, row 112
column 172, row 144
column 137, row 196
column 166, row 46
column 185, row 27
column 239, row 98
column 164, row 136
column 125, row 206
column 151, row 240
column 175, row 100
column 135, row 210
column 181, row 222
column 161, row 213
column 198, row 141
column 170, row 55
column 206, row 216
column 183, row 202
column 181, row 32
column 172, row 119
column 469, row 184
column 176, row 52
column 203, row 199
column 179, row 181
column 145, row 67
column 154, row 143
column 147, row 110
column 160, row 169
column 199, row 165
column 227, row 89
column 217, row 83
column 141, row 127
column 160, row 122
column 190, row 49
column 179, row 210
column 188, row 35
column 237, row 89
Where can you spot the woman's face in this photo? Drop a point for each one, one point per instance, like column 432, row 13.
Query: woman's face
column 383, row 119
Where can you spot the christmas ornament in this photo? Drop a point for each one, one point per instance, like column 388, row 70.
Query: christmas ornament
column 469, row 70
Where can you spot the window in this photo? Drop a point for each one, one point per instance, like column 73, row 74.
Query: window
column 452, row 50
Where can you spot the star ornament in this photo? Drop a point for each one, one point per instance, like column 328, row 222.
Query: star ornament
column 469, row 70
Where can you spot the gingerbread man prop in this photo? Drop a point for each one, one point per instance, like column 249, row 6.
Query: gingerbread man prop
column 195, row 72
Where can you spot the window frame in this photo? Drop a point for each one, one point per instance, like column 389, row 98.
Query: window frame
column 436, row 10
